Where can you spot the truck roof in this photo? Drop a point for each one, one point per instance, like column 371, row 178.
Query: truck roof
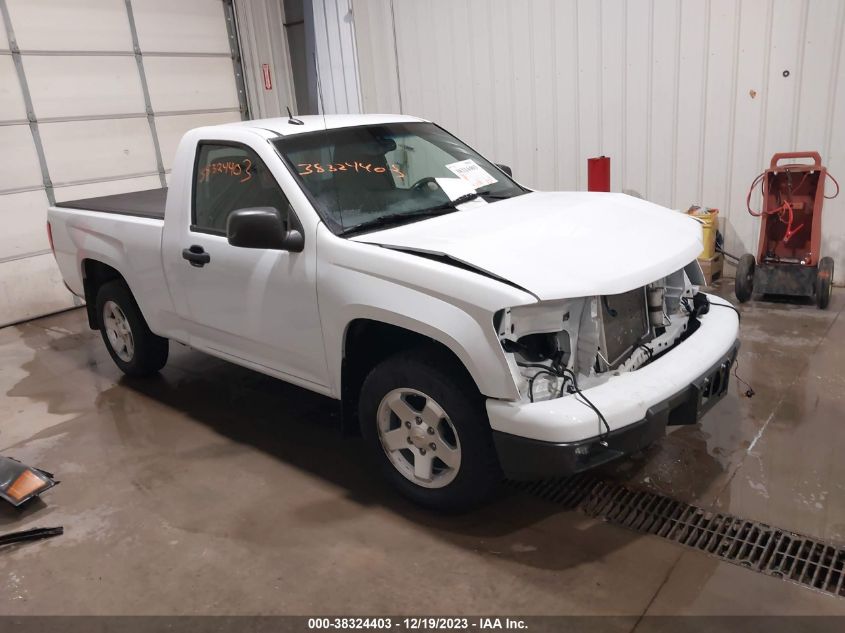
column 317, row 122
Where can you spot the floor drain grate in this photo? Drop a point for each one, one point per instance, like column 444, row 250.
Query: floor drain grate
column 570, row 492
column 756, row 546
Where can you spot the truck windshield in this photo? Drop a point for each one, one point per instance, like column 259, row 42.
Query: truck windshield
column 374, row 176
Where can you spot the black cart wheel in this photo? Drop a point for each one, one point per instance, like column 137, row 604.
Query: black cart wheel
column 131, row 344
column 745, row 277
column 824, row 282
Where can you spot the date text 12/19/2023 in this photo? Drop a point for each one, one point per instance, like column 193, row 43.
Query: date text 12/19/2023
column 417, row 623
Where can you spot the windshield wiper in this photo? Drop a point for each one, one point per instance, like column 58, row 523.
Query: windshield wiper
column 452, row 204
column 395, row 218
column 494, row 196
column 399, row 218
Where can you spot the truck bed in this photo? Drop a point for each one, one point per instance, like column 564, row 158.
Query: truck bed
column 145, row 204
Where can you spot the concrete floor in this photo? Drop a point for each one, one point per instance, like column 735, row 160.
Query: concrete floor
column 212, row 489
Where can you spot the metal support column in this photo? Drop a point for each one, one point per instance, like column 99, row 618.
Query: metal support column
column 235, row 48
column 139, row 60
column 27, row 99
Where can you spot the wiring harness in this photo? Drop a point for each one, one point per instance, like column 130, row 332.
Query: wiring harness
column 570, row 384
column 703, row 307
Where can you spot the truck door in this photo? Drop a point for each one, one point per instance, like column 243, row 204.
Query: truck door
column 253, row 305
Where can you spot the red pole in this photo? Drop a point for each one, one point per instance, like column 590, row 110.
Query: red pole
column 598, row 174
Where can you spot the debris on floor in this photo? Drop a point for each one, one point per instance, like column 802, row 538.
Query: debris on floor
column 35, row 534
column 19, row 483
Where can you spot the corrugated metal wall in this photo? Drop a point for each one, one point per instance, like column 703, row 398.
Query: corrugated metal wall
column 690, row 98
column 296, row 37
column 262, row 39
column 334, row 43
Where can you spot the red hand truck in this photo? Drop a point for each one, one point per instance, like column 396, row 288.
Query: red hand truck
column 788, row 259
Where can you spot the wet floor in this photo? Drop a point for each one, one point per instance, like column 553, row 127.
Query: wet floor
column 213, row 489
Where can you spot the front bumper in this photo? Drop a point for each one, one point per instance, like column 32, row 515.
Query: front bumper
column 561, row 436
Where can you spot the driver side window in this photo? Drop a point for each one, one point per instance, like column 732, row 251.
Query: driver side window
column 230, row 177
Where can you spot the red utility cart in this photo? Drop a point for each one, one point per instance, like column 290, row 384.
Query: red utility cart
column 789, row 260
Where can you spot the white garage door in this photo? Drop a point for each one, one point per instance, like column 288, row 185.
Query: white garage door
column 94, row 96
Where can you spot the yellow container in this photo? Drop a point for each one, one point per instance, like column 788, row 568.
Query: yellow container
column 709, row 219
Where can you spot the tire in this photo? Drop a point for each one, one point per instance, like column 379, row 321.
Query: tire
column 745, row 277
column 440, row 409
column 824, row 282
column 132, row 346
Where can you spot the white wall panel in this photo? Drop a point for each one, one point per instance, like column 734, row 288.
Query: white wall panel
column 83, row 85
column 834, row 219
column 564, row 95
column 337, row 59
column 31, row 287
column 788, row 24
column 263, row 39
column 482, row 63
column 719, row 109
column 692, row 65
column 12, row 107
column 190, row 83
column 23, row 170
column 23, row 217
column 817, row 72
column 443, row 54
column 4, row 41
column 83, row 25
column 588, row 64
column 612, row 83
column 83, row 150
column 195, row 26
column 171, row 128
column 748, row 119
column 634, row 163
column 525, row 123
column 379, row 83
column 687, row 97
column 664, row 58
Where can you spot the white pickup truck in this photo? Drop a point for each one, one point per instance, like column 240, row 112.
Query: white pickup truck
column 472, row 328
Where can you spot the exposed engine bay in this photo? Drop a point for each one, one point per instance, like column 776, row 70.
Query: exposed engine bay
column 557, row 348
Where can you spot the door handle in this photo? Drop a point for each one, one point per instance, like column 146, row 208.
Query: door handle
column 196, row 255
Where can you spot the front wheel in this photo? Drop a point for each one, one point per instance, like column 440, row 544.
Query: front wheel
column 824, row 282
column 426, row 426
column 131, row 344
column 745, row 277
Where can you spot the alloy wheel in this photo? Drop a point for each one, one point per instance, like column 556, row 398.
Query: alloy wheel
column 418, row 438
column 118, row 331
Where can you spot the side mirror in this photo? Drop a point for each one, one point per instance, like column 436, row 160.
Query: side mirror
column 505, row 169
column 262, row 227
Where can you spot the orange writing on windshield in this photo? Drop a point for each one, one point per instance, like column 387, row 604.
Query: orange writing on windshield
column 356, row 166
column 241, row 170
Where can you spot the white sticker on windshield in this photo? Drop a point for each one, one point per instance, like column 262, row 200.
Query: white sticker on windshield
column 471, row 172
column 455, row 188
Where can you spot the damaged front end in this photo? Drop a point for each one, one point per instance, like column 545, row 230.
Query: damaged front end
column 556, row 348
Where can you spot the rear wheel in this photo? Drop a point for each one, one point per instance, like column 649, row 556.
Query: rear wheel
column 131, row 344
column 745, row 277
column 824, row 282
column 426, row 426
